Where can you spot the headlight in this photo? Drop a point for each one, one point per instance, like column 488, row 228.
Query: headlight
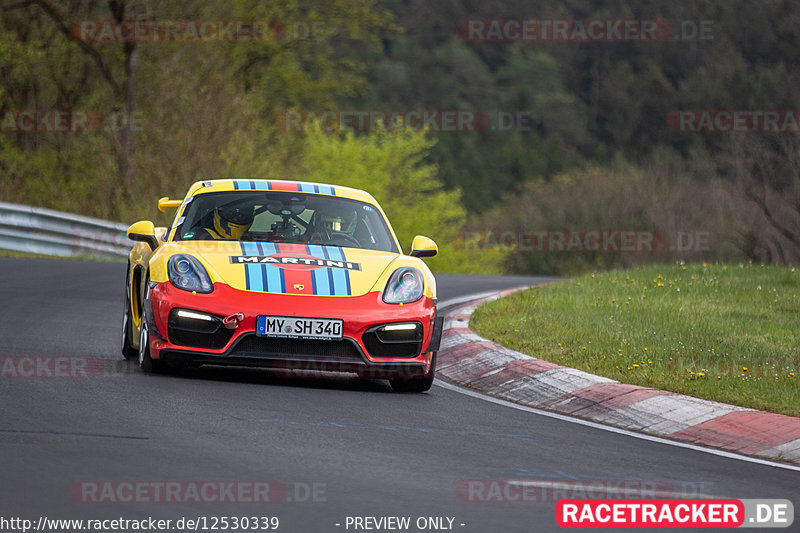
column 405, row 286
column 186, row 272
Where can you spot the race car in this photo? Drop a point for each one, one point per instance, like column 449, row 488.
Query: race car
column 289, row 275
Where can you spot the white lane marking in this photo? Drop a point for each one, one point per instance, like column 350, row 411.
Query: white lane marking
column 612, row 429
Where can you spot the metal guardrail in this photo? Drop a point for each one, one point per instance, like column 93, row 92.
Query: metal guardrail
column 42, row 231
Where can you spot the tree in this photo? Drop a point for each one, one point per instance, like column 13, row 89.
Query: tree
column 391, row 166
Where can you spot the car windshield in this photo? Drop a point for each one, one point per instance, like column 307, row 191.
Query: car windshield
column 285, row 217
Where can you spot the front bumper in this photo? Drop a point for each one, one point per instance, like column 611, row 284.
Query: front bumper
column 356, row 352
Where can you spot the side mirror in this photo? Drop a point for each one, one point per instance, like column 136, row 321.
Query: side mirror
column 423, row 247
column 143, row 231
column 165, row 203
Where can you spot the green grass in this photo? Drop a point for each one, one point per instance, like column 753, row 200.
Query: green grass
column 729, row 333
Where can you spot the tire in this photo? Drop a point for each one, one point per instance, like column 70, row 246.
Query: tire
column 128, row 351
column 146, row 363
column 420, row 384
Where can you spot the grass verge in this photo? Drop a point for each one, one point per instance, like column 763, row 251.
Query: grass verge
column 728, row 333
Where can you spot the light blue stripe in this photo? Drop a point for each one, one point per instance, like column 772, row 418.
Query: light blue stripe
column 262, row 185
column 340, row 276
column 242, row 185
column 270, row 273
column 321, row 281
column 306, row 187
column 320, row 275
column 324, row 189
column 268, row 248
column 273, row 279
column 339, row 282
column 335, row 253
column 254, row 276
column 316, row 251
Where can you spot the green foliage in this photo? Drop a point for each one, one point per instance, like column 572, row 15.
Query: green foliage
column 571, row 123
column 390, row 165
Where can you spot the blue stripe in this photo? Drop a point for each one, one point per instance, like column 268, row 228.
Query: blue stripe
column 335, row 253
column 255, row 279
column 272, row 273
column 304, row 186
column 321, row 282
column 268, row 248
column 331, row 285
column 319, row 276
column 316, row 250
column 235, row 185
column 246, row 268
column 339, row 278
column 339, row 282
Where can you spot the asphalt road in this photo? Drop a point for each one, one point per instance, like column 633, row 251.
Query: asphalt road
column 339, row 447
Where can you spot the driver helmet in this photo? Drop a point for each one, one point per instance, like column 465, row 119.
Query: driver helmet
column 341, row 221
column 231, row 222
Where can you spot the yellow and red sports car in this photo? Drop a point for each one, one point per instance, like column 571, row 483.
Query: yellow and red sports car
column 283, row 274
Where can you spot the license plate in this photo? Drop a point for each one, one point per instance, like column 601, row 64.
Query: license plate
column 292, row 327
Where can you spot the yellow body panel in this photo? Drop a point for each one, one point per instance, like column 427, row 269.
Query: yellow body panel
column 375, row 267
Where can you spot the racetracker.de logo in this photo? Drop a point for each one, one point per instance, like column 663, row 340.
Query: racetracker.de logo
column 177, row 31
column 50, row 121
column 178, row 492
column 563, row 30
column 734, row 121
column 30, row 367
column 378, row 120
column 554, row 490
column 544, row 241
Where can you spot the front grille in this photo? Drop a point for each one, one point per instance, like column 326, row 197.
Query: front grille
column 252, row 346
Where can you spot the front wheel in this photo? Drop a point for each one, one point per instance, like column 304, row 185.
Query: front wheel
column 147, row 363
column 419, row 384
column 128, row 351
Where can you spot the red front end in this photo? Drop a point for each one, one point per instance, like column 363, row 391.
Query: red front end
column 189, row 328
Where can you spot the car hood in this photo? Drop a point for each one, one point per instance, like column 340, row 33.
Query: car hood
column 289, row 268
